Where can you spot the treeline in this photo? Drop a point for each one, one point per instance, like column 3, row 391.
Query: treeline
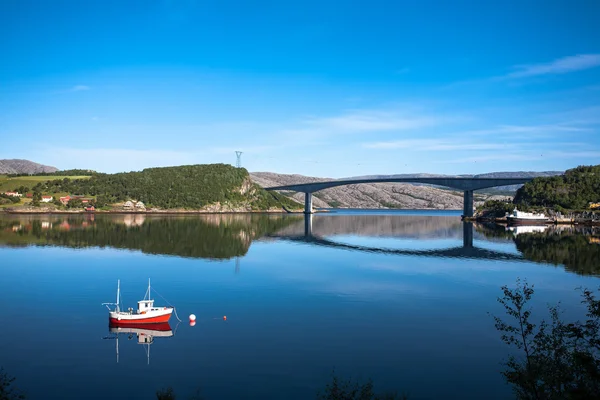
column 574, row 190
column 66, row 172
column 188, row 187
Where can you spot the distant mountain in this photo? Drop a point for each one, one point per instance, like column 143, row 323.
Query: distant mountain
column 24, row 167
column 392, row 195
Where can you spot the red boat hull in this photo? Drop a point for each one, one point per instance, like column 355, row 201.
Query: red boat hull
column 153, row 320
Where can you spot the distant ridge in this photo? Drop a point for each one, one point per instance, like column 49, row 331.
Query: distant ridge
column 24, row 167
column 394, row 195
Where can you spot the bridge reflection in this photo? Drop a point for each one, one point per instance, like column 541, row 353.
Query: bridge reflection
column 467, row 250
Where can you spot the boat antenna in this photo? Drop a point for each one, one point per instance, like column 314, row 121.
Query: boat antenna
column 118, row 293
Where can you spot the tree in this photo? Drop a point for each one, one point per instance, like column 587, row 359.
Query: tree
column 560, row 360
column 165, row 394
column 75, row 203
column 347, row 389
column 37, row 197
column 7, row 390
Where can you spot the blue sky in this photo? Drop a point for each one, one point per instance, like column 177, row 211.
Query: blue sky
column 323, row 88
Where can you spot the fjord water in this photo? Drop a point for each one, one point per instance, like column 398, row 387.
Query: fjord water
column 399, row 297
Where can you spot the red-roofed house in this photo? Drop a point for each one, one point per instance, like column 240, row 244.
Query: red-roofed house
column 65, row 200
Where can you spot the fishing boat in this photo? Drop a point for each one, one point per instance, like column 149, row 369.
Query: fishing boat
column 525, row 218
column 146, row 312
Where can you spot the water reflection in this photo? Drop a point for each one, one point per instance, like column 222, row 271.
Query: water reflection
column 392, row 226
column 144, row 334
column 577, row 248
column 210, row 236
column 229, row 236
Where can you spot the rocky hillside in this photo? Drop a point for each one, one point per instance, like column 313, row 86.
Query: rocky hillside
column 393, row 195
column 376, row 195
column 24, row 167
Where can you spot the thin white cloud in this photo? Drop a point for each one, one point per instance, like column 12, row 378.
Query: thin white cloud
column 363, row 121
column 527, row 156
column 559, row 66
column 79, row 88
column 434, row 145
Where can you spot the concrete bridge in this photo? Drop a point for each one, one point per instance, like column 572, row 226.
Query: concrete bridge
column 467, row 185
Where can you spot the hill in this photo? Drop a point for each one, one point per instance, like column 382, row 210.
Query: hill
column 366, row 195
column 574, row 190
column 211, row 187
column 24, row 184
column 393, row 195
column 24, row 167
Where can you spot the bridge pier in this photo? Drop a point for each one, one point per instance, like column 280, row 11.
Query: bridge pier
column 308, row 203
column 468, row 204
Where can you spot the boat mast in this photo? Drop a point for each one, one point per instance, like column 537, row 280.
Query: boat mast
column 147, row 291
column 118, row 293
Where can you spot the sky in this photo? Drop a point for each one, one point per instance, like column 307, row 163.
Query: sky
column 321, row 88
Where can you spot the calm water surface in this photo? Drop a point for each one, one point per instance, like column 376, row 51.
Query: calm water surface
column 399, row 297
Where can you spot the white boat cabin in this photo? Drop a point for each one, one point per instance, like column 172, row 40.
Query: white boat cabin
column 147, row 305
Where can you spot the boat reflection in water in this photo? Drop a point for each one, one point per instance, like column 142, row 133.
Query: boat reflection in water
column 145, row 334
column 519, row 229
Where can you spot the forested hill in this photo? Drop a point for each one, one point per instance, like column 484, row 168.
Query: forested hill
column 184, row 187
column 574, row 190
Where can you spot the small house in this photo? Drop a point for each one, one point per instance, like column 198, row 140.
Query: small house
column 65, row 200
column 128, row 204
column 140, row 205
column 46, row 199
column 90, row 208
column 13, row 194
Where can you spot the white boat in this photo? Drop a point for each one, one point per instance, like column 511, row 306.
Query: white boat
column 525, row 218
column 146, row 313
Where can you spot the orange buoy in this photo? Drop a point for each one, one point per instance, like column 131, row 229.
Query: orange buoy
column 192, row 323
column 224, row 317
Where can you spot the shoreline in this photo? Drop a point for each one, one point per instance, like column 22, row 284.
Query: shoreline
column 166, row 212
column 503, row 221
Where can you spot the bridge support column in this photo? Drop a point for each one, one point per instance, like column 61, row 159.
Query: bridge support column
column 468, row 204
column 467, row 234
column 308, row 203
